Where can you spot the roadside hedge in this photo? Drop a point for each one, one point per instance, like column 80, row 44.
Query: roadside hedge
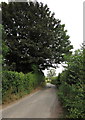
column 19, row 84
column 72, row 87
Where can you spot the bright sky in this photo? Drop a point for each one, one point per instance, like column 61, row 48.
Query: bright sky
column 70, row 12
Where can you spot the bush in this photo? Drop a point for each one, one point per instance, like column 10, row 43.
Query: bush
column 72, row 98
column 53, row 80
column 19, row 84
column 71, row 91
column 56, row 80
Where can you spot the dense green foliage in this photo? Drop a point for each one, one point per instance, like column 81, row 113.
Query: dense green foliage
column 56, row 80
column 33, row 36
column 19, row 84
column 0, row 64
column 0, row 43
column 3, row 47
column 72, row 87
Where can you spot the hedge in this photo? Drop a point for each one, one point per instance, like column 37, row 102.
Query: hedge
column 19, row 84
column 72, row 87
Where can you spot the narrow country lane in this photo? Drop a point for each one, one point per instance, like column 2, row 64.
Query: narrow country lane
column 41, row 104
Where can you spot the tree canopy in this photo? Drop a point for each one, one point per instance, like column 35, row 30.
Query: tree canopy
column 34, row 36
column 3, row 47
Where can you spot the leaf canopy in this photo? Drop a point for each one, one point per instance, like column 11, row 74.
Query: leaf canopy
column 34, row 36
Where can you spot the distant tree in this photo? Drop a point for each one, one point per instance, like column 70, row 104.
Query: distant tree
column 51, row 73
column 34, row 36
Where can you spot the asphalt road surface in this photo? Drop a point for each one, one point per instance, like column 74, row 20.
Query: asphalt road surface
column 41, row 104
